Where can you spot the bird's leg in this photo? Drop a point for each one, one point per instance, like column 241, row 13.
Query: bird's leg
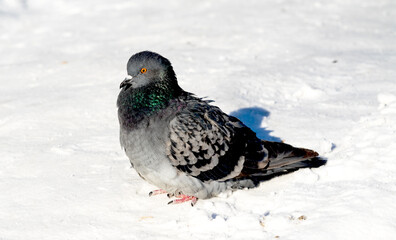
column 156, row 192
column 160, row 191
column 180, row 197
column 184, row 198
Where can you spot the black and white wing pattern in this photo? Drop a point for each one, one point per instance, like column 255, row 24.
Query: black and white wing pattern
column 206, row 143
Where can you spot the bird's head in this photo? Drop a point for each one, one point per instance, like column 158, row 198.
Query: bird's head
column 147, row 69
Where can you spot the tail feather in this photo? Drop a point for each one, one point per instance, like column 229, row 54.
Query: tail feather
column 280, row 158
column 281, row 154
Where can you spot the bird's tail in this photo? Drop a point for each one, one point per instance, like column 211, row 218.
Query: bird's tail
column 280, row 158
column 281, row 155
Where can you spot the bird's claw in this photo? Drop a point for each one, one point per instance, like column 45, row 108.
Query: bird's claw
column 180, row 197
column 169, row 195
column 156, row 192
column 184, row 198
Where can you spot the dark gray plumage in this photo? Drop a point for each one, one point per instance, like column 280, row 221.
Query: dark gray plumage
column 186, row 146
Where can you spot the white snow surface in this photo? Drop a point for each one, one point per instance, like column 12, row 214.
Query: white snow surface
column 315, row 74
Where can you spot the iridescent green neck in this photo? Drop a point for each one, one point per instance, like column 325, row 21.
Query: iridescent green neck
column 135, row 105
column 150, row 99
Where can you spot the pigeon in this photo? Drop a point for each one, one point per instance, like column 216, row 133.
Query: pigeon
column 187, row 147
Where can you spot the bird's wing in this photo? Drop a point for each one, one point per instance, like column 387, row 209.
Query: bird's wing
column 208, row 144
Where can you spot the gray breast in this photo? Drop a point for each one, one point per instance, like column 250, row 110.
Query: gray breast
column 145, row 145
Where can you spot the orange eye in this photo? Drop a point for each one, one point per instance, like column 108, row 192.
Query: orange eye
column 143, row 70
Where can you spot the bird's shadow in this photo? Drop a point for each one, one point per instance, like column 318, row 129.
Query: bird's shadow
column 253, row 117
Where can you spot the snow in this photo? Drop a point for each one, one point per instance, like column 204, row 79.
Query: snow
column 315, row 74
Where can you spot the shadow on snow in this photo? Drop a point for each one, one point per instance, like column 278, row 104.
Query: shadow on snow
column 253, row 117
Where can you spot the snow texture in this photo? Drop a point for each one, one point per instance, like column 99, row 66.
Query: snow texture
column 316, row 74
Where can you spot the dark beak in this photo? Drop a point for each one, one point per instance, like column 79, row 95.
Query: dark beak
column 127, row 82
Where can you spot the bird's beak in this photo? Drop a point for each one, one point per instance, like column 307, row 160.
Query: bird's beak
column 127, row 82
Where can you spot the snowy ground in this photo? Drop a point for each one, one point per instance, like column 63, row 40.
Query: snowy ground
column 316, row 74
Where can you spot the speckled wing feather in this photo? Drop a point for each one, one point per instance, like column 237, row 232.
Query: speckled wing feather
column 208, row 144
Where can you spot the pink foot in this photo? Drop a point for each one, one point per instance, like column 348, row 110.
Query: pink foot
column 184, row 198
column 180, row 198
column 156, row 192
